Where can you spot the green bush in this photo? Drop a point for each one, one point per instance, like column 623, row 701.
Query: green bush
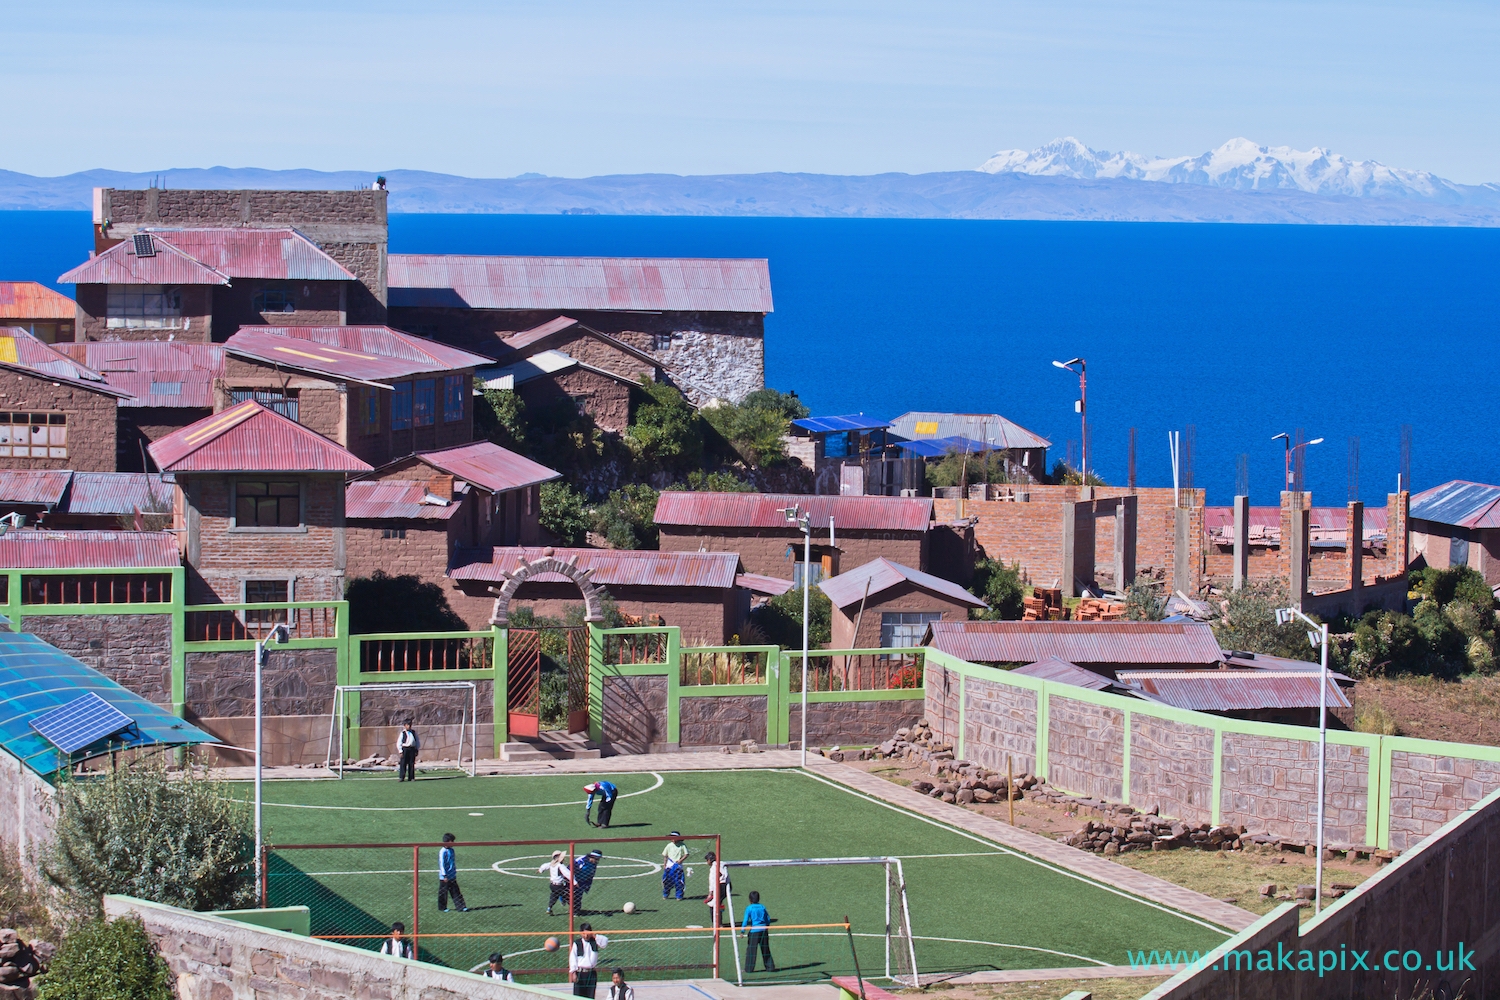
column 565, row 512
column 383, row 603
column 753, row 429
column 667, row 433
column 184, row 841
column 1144, row 601
column 107, row 960
column 1248, row 622
column 699, row 481
column 1451, row 632
column 958, row 469
column 780, row 619
column 502, row 419
column 627, row 517
column 999, row 586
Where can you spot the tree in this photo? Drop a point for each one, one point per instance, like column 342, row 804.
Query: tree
column 627, row 517
column 565, row 512
column 1144, row 602
column 754, row 428
column 383, row 603
column 999, row 586
column 667, row 433
column 780, row 619
column 502, row 419
column 1247, row 621
column 183, row 841
column 959, row 469
column 108, row 960
column 1451, row 631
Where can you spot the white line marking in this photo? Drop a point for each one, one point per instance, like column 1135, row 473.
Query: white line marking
column 514, row 805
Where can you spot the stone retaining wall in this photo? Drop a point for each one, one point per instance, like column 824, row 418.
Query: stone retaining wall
column 1000, row 723
column 1427, row 789
column 1172, row 766
column 296, row 682
column 851, row 723
column 721, row 720
column 1271, row 786
column 1086, row 748
column 635, row 714
column 134, row 651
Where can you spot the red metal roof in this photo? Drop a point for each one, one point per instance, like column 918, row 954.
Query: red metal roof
column 33, row 300
column 880, row 575
column 33, row 487
column 155, row 372
column 248, row 437
column 118, row 493
column 489, row 466
column 399, row 499
column 580, row 283
column 524, row 339
column 367, row 353
column 20, row 351
column 764, row 510
column 611, row 567
column 211, row 257
column 1177, row 644
column 1233, row 690
column 1062, row 672
column 1327, row 518
column 758, row 583
column 89, row 550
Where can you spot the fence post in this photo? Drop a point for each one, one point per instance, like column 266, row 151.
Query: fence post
column 179, row 638
column 774, row 702
column 674, row 685
column 416, row 910
column 596, row 684
column 500, row 664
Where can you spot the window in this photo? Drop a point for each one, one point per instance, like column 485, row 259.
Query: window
column 144, row 307
column 273, row 300
column 266, row 592
column 267, row 505
column 661, row 341
column 453, row 398
column 424, row 402
column 401, row 407
column 905, row 628
column 284, row 403
column 34, row 435
column 369, row 411
column 392, row 532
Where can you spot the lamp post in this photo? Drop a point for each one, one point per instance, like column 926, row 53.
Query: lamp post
column 1286, row 439
column 1083, row 413
column 280, row 633
column 1284, row 616
column 796, row 515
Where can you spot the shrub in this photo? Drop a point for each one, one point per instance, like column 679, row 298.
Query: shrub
column 1144, row 602
column 667, row 433
column 182, row 841
column 107, row 960
column 1373, row 718
column 383, row 603
column 958, row 469
column 627, row 517
column 503, row 419
column 1247, row 620
column 780, row 619
column 753, row 429
column 565, row 512
column 699, row 481
column 999, row 586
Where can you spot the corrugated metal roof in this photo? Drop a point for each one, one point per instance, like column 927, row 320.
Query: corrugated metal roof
column 765, row 510
column 33, row 300
column 1062, row 672
column 524, row 339
column 998, row 431
column 666, row 284
column 611, row 567
column 33, row 487
column 1233, row 690
column 155, row 372
column 26, row 549
column 118, row 493
column 879, row 575
column 1459, row 503
column 489, row 466
column 846, row 422
column 211, row 257
column 248, row 437
column 398, row 499
column 367, row 353
column 20, row 351
column 1078, row 642
column 1328, row 518
column 758, row 583
column 518, row 374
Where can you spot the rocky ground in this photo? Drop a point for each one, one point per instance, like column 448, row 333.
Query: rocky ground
column 19, row 962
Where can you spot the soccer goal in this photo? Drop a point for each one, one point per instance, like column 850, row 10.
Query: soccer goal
column 469, row 720
column 900, row 955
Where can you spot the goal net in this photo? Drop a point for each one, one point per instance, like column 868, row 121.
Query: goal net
column 828, row 898
column 466, row 704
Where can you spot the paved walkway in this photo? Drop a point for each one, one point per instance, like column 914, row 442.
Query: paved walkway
column 608, row 765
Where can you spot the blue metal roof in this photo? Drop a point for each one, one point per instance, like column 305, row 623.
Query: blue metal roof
column 1460, row 503
column 36, row 678
column 847, row 422
column 937, row 448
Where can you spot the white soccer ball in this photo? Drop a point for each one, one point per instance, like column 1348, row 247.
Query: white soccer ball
column 628, row 907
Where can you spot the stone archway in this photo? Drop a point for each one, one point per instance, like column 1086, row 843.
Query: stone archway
column 593, row 606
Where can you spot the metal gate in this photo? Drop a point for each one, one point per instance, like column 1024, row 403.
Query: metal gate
column 578, row 680
column 523, row 683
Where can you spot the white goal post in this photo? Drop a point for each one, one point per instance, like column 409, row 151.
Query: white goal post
column 900, row 950
column 468, row 721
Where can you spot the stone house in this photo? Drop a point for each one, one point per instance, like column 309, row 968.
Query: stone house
column 259, row 507
column 1458, row 524
column 54, row 412
column 46, row 315
column 553, row 379
column 886, row 605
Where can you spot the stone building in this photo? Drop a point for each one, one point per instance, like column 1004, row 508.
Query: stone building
column 46, row 315
column 1458, row 524
column 883, row 604
column 54, row 412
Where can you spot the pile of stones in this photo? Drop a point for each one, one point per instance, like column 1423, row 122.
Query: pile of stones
column 1130, row 831
column 20, row 961
column 840, row 754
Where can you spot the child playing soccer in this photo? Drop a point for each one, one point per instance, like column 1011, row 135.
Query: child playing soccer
column 448, row 877
column 559, row 879
column 606, row 793
column 673, row 874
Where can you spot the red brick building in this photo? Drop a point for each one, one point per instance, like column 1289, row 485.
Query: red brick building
column 54, row 412
column 884, row 604
column 46, row 315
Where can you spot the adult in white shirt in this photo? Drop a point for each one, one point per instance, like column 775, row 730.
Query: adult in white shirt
column 583, row 961
column 397, row 945
column 407, row 745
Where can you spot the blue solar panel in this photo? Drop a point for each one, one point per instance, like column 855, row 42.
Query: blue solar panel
column 81, row 723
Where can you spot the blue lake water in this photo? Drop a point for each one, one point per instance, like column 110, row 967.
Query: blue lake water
column 1238, row 331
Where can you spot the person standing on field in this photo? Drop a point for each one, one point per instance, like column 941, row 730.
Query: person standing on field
column 757, row 927
column 448, row 877
column 397, row 945
column 583, row 962
column 673, row 874
column 407, row 745
column 559, row 879
column 606, row 793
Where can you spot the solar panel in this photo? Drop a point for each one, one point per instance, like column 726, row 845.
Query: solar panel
column 143, row 245
column 80, row 723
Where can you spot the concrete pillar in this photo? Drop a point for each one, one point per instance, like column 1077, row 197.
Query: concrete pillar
column 1182, row 550
column 1241, row 542
column 1354, row 540
column 1125, row 535
column 1295, row 543
column 1078, row 547
column 1398, row 532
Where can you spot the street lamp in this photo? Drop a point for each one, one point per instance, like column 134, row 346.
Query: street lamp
column 1285, row 439
column 796, row 515
column 1317, row 638
column 1082, row 406
column 280, row 633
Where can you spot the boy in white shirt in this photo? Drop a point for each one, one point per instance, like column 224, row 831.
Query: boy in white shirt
column 397, row 946
column 559, row 879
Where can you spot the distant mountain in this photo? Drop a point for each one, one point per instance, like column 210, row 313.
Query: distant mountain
column 1065, row 180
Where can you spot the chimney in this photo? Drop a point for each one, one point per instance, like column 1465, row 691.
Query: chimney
column 441, row 485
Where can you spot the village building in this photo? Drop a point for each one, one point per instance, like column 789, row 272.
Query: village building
column 259, row 507
column 46, row 315
column 1458, row 524
column 54, row 412
column 1105, row 647
column 86, row 500
column 887, row 605
column 1025, row 451
column 552, row 382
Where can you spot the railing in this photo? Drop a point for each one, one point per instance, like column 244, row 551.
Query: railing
column 724, row 665
column 897, row 670
column 96, row 588
column 223, row 623
column 629, row 646
column 379, row 654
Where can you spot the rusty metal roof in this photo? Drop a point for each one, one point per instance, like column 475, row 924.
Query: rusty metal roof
column 155, row 372
column 1459, row 503
column 1328, row 518
column 1062, row 672
column 395, row 499
column 524, row 339
column 248, row 437
column 20, row 351
column 489, row 466
column 211, row 257
column 765, row 511
column 758, row 583
column 1233, row 690
column 664, row 284
column 1163, row 643
column 993, row 429
column 879, row 575
column 611, row 567
column 363, row 353
column 33, row 487
column 120, row 493
column 89, row 550
column 33, row 300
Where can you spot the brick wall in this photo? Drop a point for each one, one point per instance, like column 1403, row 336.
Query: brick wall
column 1171, row 765
column 1271, row 786
column 317, row 304
column 1000, row 723
column 902, row 597
column 764, row 550
column 138, row 426
column 134, row 651
column 423, row 553
column 851, row 723
column 1085, row 748
column 606, row 401
column 195, row 325
column 634, row 714
column 722, row 720
column 91, row 440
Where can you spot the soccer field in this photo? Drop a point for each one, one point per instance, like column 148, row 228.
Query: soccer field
column 973, row 904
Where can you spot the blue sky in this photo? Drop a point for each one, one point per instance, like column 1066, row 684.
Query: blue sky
column 581, row 88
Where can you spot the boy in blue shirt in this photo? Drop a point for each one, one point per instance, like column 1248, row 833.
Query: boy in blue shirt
column 606, row 793
column 448, row 877
column 584, row 869
column 756, row 923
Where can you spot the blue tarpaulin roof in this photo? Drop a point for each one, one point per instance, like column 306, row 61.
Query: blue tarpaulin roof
column 847, row 422
column 944, row 446
column 36, row 678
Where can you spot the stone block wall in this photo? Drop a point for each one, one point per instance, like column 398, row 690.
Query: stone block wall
column 635, row 714
column 134, row 651
column 721, row 720
column 1428, row 790
column 296, row 682
column 851, row 723
column 425, row 708
column 92, row 425
column 942, row 694
column 1271, row 786
column 1172, row 765
column 28, row 810
column 1086, row 748
column 1000, row 723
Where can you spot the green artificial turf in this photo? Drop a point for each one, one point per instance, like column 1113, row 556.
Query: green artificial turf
column 973, row 904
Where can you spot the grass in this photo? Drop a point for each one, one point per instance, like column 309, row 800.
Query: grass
column 974, row 905
column 1238, row 875
column 1101, row 989
column 1462, row 711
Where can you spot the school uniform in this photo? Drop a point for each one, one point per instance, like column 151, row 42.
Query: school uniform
column 408, row 745
column 757, row 927
column 559, row 880
column 396, row 948
column 673, row 874
column 504, row 975
column 606, row 792
column 448, row 879
column 583, row 962
column 584, row 869
column 621, row 992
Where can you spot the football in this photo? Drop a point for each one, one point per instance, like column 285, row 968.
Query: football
column 628, row 907
column 550, row 944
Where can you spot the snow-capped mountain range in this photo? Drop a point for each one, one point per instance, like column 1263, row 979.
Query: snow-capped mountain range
column 1239, row 165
